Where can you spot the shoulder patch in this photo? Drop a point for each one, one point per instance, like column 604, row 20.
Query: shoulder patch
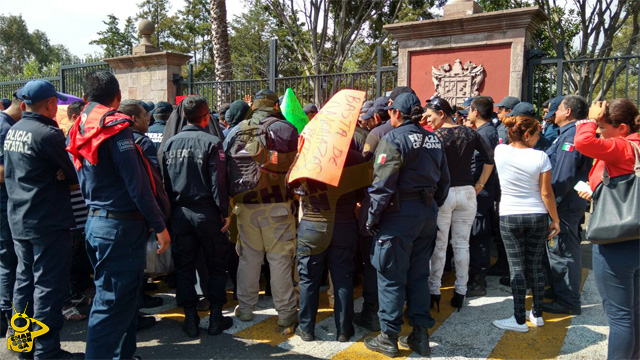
column 382, row 158
column 568, row 147
column 367, row 147
column 126, row 145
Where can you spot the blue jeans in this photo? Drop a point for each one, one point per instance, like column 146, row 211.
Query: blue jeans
column 8, row 263
column 401, row 256
column 42, row 280
column 318, row 246
column 116, row 250
column 616, row 268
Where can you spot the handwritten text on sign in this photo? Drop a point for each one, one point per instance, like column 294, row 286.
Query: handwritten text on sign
column 324, row 142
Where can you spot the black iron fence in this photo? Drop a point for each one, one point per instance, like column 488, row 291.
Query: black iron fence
column 68, row 80
column 594, row 79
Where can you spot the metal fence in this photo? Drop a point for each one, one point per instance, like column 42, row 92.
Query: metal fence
column 68, row 81
column 593, row 79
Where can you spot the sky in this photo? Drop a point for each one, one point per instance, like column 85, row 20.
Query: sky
column 77, row 22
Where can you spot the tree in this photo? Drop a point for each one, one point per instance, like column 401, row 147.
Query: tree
column 158, row 12
column 220, row 37
column 114, row 41
column 193, row 36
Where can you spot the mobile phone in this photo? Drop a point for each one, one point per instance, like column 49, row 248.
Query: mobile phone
column 584, row 187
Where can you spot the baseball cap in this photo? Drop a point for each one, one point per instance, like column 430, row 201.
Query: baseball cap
column 366, row 106
column 465, row 105
column 163, row 107
column 6, row 103
column 508, row 102
column 37, row 90
column 400, row 90
column 523, row 108
column 310, row 109
column 405, row 102
column 148, row 105
column 553, row 106
column 267, row 95
column 378, row 105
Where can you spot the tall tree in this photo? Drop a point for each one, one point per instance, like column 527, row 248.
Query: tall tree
column 220, row 37
column 158, row 12
column 116, row 42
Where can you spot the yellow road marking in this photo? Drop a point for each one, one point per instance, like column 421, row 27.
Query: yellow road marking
column 359, row 351
column 539, row 343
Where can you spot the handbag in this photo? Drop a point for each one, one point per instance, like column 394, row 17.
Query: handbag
column 157, row 263
column 616, row 213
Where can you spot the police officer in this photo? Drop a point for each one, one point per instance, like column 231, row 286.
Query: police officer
column 328, row 236
column 504, row 107
column 551, row 131
column 140, row 126
column 194, row 171
column 569, row 167
column 8, row 259
column 377, row 116
column 39, row 175
column 410, row 179
column 122, row 212
column 161, row 114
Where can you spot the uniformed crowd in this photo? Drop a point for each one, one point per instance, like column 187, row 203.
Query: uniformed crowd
column 213, row 187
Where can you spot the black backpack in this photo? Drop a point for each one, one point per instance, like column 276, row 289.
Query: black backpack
column 157, row 186
column 252, row 160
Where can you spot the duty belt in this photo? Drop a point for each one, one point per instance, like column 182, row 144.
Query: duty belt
column 120, row 215
column 426, row 195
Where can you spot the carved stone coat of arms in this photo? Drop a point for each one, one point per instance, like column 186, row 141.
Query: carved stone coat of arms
column 457, row 82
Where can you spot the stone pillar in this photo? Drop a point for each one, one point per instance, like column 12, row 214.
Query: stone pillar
column 467, row 52
column 148, row 73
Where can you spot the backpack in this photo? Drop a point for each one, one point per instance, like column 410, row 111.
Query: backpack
column 155, row 179
column 253, row 162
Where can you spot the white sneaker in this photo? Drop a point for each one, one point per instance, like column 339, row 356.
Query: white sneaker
column 510, row 324
column 536, row 321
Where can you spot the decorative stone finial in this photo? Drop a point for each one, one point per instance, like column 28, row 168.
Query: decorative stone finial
column 146, row 29
column 459, row 8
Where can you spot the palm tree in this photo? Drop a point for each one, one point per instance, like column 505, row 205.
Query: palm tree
column 220, row 39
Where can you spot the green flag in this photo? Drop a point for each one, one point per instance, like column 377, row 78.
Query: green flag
column 292, row 110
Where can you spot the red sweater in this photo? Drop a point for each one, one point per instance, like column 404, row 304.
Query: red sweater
column 616, row 153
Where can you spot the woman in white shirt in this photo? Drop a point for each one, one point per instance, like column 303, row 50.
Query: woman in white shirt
column 527, row 203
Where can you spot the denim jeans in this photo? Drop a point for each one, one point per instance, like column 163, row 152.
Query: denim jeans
column 616, row 268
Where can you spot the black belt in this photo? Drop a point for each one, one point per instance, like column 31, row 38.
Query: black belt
column 426, row 195
column 120, row 215
column 410, row 195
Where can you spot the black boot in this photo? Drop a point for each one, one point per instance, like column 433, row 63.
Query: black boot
column 191, row 322
column 5, row 318
column 477, row 286
column 457, row 300
column 386, row 344
column 368, row 317
column 417, row 341
column 218, row 323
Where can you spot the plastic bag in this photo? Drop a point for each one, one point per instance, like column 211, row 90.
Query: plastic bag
column 158, row 263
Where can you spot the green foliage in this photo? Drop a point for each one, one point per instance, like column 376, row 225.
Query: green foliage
column 28, row 54
column 116, row 42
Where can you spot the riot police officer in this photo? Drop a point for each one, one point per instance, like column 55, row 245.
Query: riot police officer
column 195, row 176
column 410, row 181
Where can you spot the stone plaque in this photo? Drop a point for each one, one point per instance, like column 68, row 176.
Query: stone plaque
column 458, row 82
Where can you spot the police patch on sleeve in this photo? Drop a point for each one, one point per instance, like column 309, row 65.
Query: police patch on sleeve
column 126, row 145
column 382, row 158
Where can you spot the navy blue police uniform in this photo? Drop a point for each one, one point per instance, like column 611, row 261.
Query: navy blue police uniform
column 194, row 171
column 40, row 217
column 156, row 132
column 367, row 317
column 565, row 260
column 148, row 148
column 122, row 210
column 8, row 258
column 328, row 236
column 410, row 181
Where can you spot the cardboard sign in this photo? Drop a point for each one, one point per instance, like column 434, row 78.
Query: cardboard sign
column 292, row 110
column 324, row 142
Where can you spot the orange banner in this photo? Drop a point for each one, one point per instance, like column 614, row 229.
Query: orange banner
column 325, row 141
